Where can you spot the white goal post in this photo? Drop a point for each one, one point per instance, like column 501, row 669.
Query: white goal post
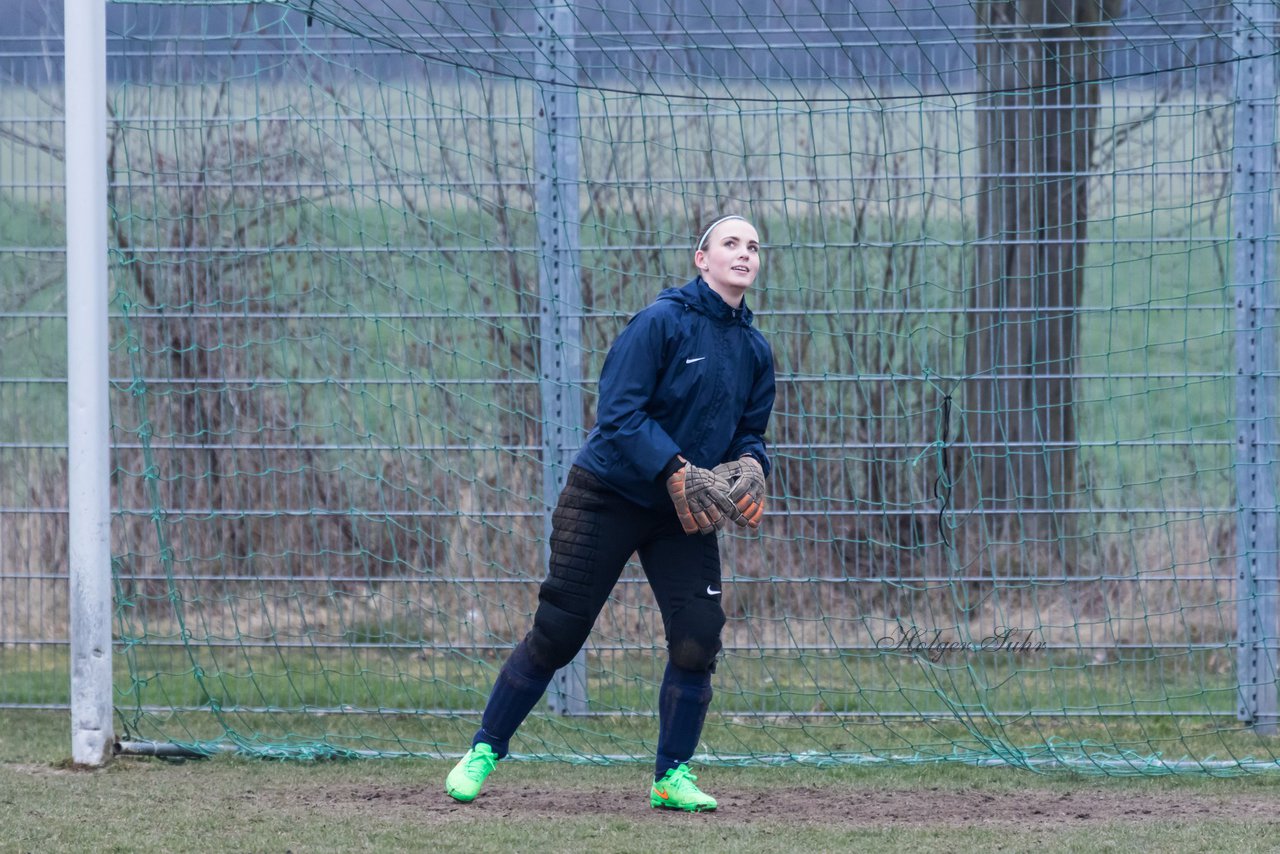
column 88, row 420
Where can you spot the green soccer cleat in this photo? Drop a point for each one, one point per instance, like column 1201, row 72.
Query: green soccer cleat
column 466, row 778
column 677, row 791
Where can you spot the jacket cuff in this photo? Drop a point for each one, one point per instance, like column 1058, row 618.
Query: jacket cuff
column 673, row 465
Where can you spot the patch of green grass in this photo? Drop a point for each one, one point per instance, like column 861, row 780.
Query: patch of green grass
column 145, row 805
column 33, row 337
column 832, row 708
column 1168, row 315
column 817, row 682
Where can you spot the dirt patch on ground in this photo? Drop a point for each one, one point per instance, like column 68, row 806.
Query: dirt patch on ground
column 933, row 807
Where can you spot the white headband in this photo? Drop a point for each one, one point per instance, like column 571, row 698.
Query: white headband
column 712, row 228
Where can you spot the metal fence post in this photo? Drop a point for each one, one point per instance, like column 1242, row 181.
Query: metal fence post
column 1252, row 197
column 556, row 162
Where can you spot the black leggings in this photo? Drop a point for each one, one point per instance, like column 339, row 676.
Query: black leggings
column 594, row 533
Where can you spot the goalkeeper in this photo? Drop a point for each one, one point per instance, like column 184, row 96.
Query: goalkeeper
column 677, row 452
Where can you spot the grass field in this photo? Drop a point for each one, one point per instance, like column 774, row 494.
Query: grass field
column 234, row 804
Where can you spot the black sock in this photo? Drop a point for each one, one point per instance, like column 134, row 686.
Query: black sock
column 520, row 685
column 682, row 709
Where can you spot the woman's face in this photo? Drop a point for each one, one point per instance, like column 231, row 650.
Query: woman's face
column 731, row 258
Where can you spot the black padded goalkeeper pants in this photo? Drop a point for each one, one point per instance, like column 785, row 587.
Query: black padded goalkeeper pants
column 595, row 531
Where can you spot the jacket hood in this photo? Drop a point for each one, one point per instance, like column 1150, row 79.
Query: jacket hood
column 698, row 296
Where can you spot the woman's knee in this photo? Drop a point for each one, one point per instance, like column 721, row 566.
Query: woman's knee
column 693, row 637
column 556, row 636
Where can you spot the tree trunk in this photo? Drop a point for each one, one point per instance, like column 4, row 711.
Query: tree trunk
column 1035, row 136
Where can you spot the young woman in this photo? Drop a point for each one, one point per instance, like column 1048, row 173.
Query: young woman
column 678, row 451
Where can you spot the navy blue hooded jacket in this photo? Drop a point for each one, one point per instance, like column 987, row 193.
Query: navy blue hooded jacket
column 688, row 375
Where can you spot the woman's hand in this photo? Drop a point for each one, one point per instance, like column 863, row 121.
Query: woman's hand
column 701, row 498
column 745, row 477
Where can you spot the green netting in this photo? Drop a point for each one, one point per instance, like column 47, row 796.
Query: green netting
column 1017, row 438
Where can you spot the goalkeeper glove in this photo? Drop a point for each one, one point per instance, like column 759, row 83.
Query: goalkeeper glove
column 701, row 498
column 745, row 477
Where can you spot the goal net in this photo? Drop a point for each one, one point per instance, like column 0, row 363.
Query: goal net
column 366, row 261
